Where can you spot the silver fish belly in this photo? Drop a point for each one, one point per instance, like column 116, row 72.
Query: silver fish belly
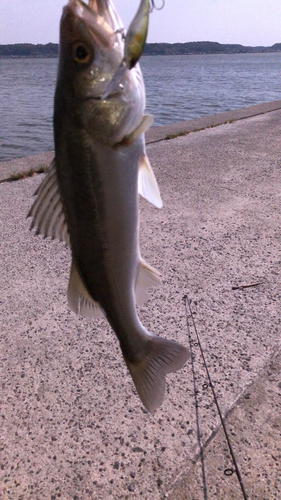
column 89, row 197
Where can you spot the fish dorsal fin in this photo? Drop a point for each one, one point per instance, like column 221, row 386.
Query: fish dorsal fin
column 147, row 183
column 79, row 299
column 47, row 209
column 145, row 123
column 147, row 277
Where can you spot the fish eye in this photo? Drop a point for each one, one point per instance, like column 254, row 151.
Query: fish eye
column 82, row 54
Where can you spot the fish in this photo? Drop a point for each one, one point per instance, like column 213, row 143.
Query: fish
column 89, row 198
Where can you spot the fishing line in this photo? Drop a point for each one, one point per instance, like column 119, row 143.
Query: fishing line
column 227, row 472
column 153, row 6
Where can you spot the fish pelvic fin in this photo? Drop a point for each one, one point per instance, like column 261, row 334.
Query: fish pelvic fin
column 162, row 356
column 79, row 299
column 147, row 183
column 147, row 277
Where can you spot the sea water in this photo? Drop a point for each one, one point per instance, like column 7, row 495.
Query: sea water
column 178, row 88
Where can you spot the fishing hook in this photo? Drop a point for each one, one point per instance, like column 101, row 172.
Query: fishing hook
column 121, row 31
column 153, row 6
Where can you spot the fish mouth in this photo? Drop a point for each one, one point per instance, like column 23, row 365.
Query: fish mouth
column 97, row 19
column 101, row 7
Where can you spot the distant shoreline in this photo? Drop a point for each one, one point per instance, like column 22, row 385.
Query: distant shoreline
column 51, row 50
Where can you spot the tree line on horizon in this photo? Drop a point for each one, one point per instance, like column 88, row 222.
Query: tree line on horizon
column 150, row 49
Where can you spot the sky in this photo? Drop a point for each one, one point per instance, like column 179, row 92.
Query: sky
column 247, row 22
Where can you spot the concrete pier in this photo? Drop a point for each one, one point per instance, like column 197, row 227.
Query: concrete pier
column 71, row 424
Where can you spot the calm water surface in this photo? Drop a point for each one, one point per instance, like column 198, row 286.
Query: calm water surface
column 178, row 88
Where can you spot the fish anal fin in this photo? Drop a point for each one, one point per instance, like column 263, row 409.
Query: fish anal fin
column 162, row 356
column 147, row 183
column 147, row 277
column 47, row 209
column 145, row 123
column 79, row 299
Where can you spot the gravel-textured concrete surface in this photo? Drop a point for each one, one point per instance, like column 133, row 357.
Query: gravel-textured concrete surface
column 21, row 165
column 167, row 131
column 71, row 423
column 254, row 427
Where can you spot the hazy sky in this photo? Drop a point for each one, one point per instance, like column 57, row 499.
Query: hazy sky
column 249, row 22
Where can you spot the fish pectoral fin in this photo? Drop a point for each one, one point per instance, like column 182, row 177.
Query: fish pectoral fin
column 145, row 123
column 147, row 183
column 147, row 276
column 162, row 356
column 79, row 299
column 47, row 209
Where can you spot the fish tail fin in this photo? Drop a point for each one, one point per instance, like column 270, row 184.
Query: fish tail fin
column 162, row 356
